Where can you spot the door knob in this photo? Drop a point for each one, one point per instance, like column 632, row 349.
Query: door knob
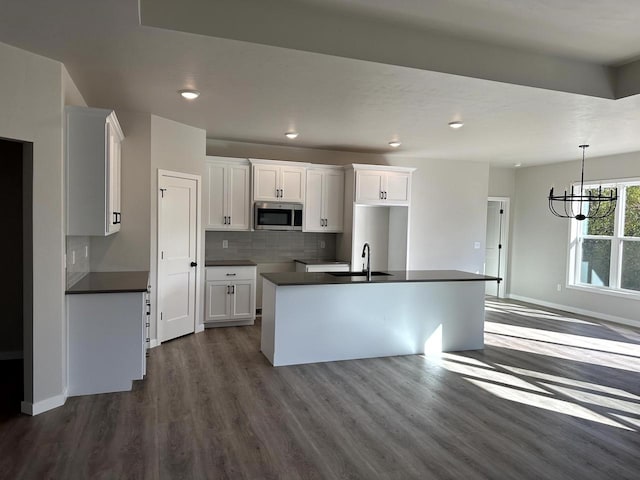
column 194, row 264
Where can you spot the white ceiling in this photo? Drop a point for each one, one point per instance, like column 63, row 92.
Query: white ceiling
column 254, row 93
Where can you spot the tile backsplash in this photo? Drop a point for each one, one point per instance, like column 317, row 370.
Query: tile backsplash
column 78, row 259
column 266, row 247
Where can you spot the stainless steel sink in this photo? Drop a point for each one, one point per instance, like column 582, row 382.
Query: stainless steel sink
column 357, row 274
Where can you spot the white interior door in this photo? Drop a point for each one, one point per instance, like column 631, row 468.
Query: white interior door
column 177, row 244
column 495, row 258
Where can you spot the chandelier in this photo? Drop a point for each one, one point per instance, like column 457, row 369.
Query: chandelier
column 581, row 206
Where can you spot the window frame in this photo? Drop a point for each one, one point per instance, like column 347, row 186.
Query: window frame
column 617, row 239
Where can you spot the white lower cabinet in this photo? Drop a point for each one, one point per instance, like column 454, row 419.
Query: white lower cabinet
column 108, row 338
column 230, row 294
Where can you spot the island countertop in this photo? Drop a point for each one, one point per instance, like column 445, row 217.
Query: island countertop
column 395, row 276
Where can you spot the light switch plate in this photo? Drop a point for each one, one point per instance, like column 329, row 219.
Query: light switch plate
column 225, row 243
column 476, row 245
column 322, row 244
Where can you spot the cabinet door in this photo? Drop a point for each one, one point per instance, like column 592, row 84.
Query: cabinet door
column 333, row 200
column 238, row 209
column 216, row 198
column 369, row 187
column 112, row 220
column 218, row 301
column 265, row 182
column 242, row 299
column 313, row 212
column 292, row 183
column 398, row 188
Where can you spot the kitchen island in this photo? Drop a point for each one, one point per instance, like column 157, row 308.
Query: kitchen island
column 324, row 317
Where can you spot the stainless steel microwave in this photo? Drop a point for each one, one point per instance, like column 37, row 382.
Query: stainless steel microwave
column 277, row 216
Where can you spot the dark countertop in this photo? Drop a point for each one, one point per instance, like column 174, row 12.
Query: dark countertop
column 229, row 263
column 111, row 282
column 397, row 276
column 316, row 261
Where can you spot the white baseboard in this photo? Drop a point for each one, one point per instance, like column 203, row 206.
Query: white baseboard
column 43, row 405
column 199, row 328
column 12, row 355
column 579, row 311
column 153, row 343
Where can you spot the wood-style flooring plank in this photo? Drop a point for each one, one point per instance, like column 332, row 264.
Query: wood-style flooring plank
column 553, row 395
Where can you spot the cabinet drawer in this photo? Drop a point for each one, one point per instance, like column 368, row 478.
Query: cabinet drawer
column 230, row 273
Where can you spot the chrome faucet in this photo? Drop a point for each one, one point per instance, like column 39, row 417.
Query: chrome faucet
column 366, row 250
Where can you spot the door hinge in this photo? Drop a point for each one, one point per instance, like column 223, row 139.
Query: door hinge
column 501, row 211
column 162, row 255
column 499, row 245
column 162, row 190
column 160, row 315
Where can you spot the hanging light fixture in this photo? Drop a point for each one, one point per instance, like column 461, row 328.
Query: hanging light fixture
column 581, row 206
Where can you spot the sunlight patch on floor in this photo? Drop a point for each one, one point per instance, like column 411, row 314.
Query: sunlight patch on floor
column 576, row 354
column 531, row 312
column 568, row 339
column 491, row 375
column 546, row 403
column 571, row 382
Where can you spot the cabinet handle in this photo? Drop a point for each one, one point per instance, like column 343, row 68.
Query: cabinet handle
column 231, row 274
column 229, row 220
column 228, row 289
column 194, row 264
column 115, row 219
column 385, row 195
column 224, row 220
column 381, row 195
column 147, row 324
column 233, row 289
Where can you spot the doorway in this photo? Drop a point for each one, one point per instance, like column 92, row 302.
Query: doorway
column 496, row 257
column 178, row 231
column 16, row 188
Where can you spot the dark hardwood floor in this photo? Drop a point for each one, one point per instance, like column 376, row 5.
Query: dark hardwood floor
column 552, row 396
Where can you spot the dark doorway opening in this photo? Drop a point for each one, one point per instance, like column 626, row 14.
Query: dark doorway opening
column 16, row 182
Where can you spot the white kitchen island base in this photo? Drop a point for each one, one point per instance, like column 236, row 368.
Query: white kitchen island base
column 328, row 322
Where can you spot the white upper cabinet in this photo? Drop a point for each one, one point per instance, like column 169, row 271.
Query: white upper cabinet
column 227, row 185
column 324, row 204
column 92, row 142
column 382, row 185
column 278, row 181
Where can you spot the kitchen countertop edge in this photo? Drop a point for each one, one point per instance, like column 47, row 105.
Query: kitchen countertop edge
column 110, row 282
column 396, row 276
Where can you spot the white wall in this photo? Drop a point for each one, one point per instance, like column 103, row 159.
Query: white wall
column 449, row 200
column 179, row 148
column 31, row 109
column 539, row 247
column 129, row 250
column 502, row 182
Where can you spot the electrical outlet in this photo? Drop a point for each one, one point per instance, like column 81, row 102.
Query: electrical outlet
column 86, row 251
column 559, row 287
column 225, row 243
column 73, row 257
column 322, row 244
column 476, row 245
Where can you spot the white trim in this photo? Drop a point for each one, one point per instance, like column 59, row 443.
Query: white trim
column 614, row 292
column 506, row 232
column 579, row 311
column 199, row 327
column 43, row 405
column 12, row 355
column 153, row 343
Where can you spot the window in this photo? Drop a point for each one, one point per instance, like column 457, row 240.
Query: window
column 605, row 252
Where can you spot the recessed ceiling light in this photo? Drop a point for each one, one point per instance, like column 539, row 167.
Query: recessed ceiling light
column 457, row 124
column 189, row 94
column 394, row 144
column 291, row 135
